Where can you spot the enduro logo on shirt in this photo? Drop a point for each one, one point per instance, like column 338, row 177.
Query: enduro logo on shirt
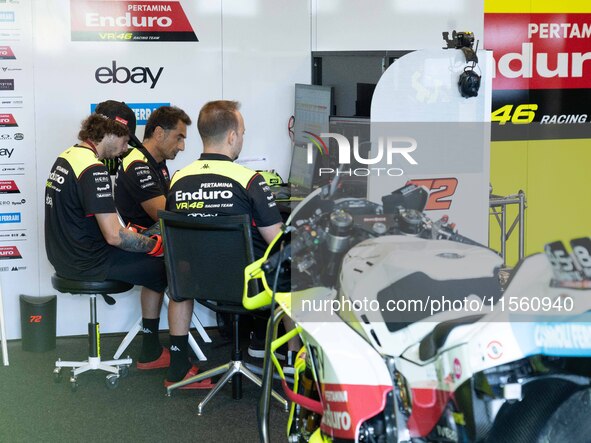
column 205, row 197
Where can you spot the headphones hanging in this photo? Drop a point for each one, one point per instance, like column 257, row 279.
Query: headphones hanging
column 469, row 80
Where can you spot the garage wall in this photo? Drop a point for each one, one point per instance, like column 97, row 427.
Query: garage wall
column 250, row 51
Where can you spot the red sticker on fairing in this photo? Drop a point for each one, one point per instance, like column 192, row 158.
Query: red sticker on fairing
column 347, row 406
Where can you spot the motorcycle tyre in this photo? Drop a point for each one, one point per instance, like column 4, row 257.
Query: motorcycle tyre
column 526, row 420
column 571, row 421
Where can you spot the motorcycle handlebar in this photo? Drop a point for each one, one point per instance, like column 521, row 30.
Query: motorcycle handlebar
column 462, row 239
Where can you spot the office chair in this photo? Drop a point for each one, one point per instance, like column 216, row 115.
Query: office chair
column 205, row 260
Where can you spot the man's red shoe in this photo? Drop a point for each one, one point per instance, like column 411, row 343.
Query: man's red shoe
column 161, row 362
column 204, row 384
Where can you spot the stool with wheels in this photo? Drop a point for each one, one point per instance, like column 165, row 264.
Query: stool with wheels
column 115, row 368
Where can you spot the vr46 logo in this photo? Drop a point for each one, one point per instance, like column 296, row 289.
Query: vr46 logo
column 115, row 36
column 192, row 205
column 440, row 192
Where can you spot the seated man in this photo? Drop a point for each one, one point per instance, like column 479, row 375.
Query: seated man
column 142, row 183
column 84, row 238
column 142, row 180
column 221, row 128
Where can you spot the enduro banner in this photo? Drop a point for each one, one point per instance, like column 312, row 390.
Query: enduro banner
column 129, row 21
column 542, row 75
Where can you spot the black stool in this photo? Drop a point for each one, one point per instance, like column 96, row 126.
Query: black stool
column 116, row 368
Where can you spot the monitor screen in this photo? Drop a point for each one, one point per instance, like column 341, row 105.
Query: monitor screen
column 311, row 113
column 301, row 174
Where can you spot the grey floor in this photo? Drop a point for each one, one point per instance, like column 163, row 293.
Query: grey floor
column 35, row 408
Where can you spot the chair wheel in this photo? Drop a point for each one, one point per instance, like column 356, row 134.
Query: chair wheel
column 112, row 381
column 57, row 375
column 123, row 371
column 73, row 384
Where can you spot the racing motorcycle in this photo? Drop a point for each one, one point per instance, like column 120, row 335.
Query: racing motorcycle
column 409, row 337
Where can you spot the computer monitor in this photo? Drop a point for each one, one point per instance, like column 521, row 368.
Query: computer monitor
column 302, row 173
column 311, row 111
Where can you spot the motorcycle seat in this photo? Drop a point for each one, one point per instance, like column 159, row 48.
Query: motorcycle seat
column 435, row 339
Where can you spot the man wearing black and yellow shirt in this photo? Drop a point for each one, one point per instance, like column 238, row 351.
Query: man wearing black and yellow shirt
column 215, row 186
column 84, row 238
column 142, row 180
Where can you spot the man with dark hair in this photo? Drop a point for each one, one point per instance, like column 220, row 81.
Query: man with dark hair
column 141, row 185
column 119, row 111
column 221, row 127
column 84, row 237
column 143, row 179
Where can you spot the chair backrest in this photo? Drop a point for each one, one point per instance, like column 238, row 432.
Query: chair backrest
column 205, row 256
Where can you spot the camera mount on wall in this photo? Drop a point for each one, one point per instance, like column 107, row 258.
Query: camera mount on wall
column 469, row 81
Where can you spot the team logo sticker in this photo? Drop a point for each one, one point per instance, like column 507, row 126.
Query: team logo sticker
column 6, row 53
column 126, row 21
column 494, row 350
column 7, row 120
column 9, row 253
column 8, row 187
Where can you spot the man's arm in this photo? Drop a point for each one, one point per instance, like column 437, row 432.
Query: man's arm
column 270, row 232
column 153, row 205
column 116, row 235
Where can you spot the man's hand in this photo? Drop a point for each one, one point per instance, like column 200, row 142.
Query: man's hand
column 117, row 235
column 158, row 249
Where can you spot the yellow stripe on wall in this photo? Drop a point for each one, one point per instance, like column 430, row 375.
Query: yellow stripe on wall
column 537, row 6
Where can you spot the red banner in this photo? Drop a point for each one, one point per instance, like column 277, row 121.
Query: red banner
column 540, row 51
column 129, row 21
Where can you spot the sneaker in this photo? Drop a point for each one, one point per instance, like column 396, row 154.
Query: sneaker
column 256, row 348
column 203, row 384
column 161, row 362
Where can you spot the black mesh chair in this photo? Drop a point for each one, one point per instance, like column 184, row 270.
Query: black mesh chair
column 205, row 260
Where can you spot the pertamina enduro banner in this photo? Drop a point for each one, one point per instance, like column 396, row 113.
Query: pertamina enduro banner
column 542, row 75
column 130, row 21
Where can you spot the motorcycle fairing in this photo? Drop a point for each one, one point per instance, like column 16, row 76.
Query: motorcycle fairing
column 354, row 380
column 377, row 264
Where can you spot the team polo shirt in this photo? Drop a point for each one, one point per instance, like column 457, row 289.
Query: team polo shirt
column 139, row 178
column 214, row 185
column 78, row 187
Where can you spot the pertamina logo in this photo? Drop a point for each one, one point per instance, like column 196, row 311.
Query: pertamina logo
column 121, row 74
column 130, row 21
column 7, row 120
column 6, row 53
column 9, row 253
column 9, row 187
